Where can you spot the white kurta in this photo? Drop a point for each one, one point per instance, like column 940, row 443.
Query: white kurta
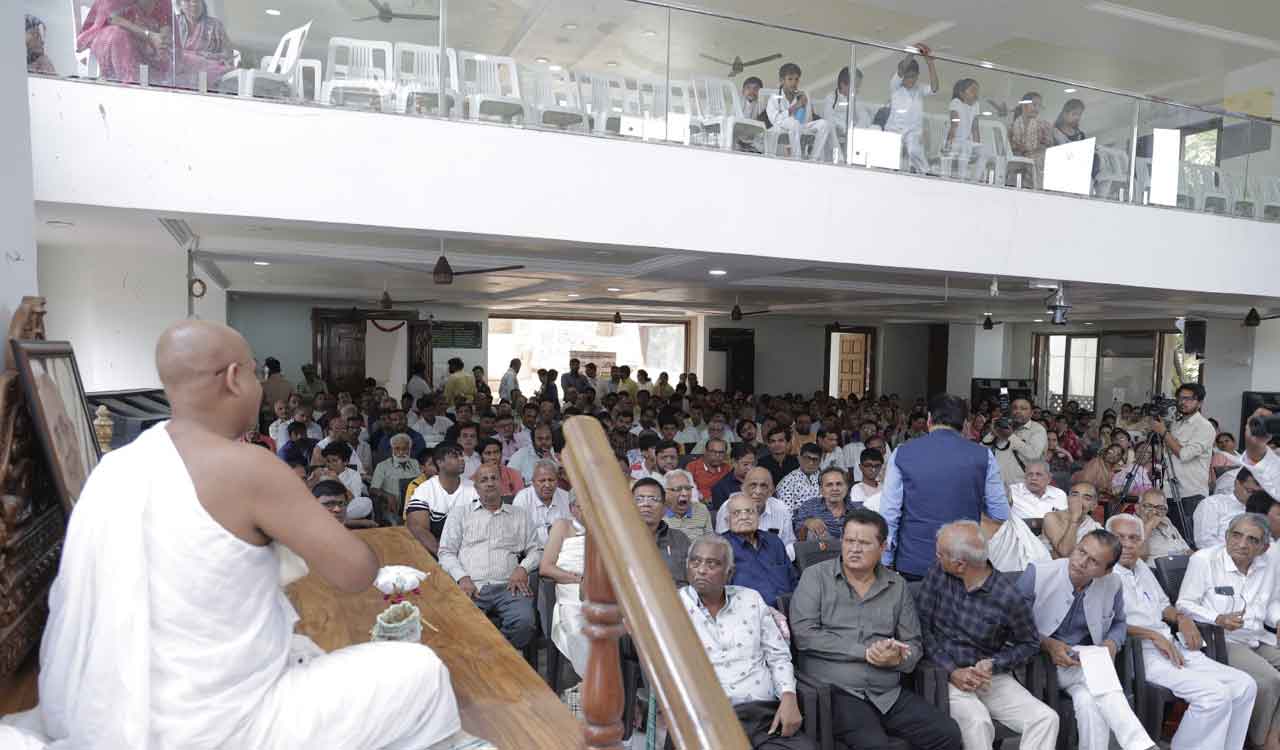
column 167, row 631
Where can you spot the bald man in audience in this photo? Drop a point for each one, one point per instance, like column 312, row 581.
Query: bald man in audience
column 168, row 626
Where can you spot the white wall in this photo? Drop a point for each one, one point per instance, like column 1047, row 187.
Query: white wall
column 903, row 361
column 989, row 353
column 789, row 352
column 386, row 355
column 961, row 343
column 17, row 210
column 1266, row 357
column 132, row 148
column 1228, row 353
column 470, row 357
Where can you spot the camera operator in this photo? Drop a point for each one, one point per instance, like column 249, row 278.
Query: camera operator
column 1189, row 441
column 1258, row 456
column 1016, row 441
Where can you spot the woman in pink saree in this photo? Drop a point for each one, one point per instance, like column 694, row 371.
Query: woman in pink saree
column 203, row 45
column 125, row 34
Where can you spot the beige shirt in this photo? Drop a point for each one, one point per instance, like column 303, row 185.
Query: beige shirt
column 487, row 545
column 1195, row 434
column 1166, row 540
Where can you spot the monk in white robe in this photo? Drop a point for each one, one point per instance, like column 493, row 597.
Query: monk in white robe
column 168, row 627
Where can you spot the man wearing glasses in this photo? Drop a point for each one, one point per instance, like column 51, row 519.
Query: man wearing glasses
column 673, row 545
column 1065, row 528
column 1162, row 536
column 1233, row 585
column 711, row 468
column 1190, row 443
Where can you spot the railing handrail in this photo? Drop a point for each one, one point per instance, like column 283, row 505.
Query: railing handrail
column 698, row 711
column 984, row 64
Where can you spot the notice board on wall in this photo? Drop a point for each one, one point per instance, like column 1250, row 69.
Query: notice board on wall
column 457, row 334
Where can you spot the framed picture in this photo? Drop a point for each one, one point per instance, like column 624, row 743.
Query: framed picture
column 55, row 399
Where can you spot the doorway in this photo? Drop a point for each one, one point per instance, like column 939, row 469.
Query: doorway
column 850, row 361
column 739, row 347
column 338, row 339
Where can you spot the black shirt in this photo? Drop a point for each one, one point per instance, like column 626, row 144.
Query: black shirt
column 779, row 471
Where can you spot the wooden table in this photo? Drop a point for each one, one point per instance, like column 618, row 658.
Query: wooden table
column 499, row 696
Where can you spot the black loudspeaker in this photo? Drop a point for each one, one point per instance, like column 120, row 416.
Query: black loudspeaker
column 1193, row 337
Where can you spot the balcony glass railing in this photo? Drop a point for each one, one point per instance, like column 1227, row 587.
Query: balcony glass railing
column 643, row 70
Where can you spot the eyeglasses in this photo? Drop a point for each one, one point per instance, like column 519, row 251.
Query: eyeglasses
column 680, row 490
column 1161, row 510
column 744, row 512
column 648, row 500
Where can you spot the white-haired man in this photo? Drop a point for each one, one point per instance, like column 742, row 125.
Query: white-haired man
column 543, row 499
column 1032, row 497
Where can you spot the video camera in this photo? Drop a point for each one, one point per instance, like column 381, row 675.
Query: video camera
column 1004, row 423
column 1265, row 426
column 1165, row 409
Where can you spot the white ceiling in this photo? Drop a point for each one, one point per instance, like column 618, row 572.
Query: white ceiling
column 1181, row 49
column 355, row 264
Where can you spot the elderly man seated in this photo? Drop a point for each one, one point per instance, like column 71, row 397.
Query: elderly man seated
column 761, row 557
column 1221, row 698
column 1216, row 511
column 491, row 549
column 1233, row 585
column 823, row 516
column 801, row 485
column 751, row 657
column 855, row 627
column 774, row 515
column 544, row 501
column 1163, row 538
column 1077, row 601
column 1063, row 529
column 683, row 513
column 385, row 485
column 978, row 628
column 673, row 545
column 1033, row 496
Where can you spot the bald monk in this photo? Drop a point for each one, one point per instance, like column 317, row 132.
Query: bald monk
column 168, row 627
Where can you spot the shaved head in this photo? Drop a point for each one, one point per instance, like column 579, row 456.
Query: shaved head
column 207, row 370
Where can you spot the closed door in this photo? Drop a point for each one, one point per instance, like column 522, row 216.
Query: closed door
column 853, row 364
column 344, row 356
column 420, row 348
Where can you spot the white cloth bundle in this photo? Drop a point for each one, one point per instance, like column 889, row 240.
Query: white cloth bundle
column 1014, row 547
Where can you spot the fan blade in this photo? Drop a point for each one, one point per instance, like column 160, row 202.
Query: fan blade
column 416, row 301
column 757, row 312
column 380, row 7
column 366, row 18
column 774, row 56
column 415, row 16
column 487, row 270
column 714, row 59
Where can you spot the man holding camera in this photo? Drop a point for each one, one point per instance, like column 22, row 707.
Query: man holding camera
column 1016, row 441
column 1189, row 441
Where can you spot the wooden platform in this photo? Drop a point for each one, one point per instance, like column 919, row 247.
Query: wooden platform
column 500, row 697
column 18, row 691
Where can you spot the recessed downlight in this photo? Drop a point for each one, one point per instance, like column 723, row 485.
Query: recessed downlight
column 649, row 33
column 613, row 289
column 261, row 263
column 569, row 26
column 574, row 294
column 271, row 12
column 541, row 60
column 1068, row 91
column 612, row 64
column 717, row 272
column 1038, row 320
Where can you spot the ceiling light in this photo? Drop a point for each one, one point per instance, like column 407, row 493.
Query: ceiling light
column 1038, row 320
column 987, row 324
column 1253, row 319
column 612, row 64
column 60, row 223
column 985, row 64
column 482, row 57
column 543, row 299
column 613, row 289
column 271, row 12
column 1068, row 91
column 261, row 263
column 1026, row 101
column 574, row 294
column 717, row 272
column 569, row 26
column 541, row 60
column 554, row 68
column 617, row 317
column 648, row 32
column 986, row 114
column 1088, row 324
column 442, row 273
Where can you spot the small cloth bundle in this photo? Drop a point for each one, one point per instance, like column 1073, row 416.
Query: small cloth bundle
column 394, row 581
column 399, row 622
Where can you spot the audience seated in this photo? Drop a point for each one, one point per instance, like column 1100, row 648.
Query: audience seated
column 539, row 449
column 1063, row 529
column 750, row 654
column 744, row 460
column 871, row 470
column 683, row 512
column 963, row 139
column 1034, row 496
column 673, row 545
column 387, row 476
column 543, row 501
column 432, row 425
column 563, row 561
column 491, row 549
column 760, row 557
column 1029, row 138
column 336, row 457
column 823, row 517
column 435, row 499
column 1078, row 601
column 1220, row 697
column 468, row 437
column 1233, row 585
column 791, row 113
column 855, row 627
column 647, row 444
column 510, row 481
column 801, row 485
column 978, row 629
column 779, row 460
column 336, row 499
column 1216, row 511
column 774, row 515
column 711, row 467
column 1162, row 537
column 337, row 432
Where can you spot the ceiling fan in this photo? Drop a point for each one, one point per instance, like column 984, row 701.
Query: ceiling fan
column 738, row 314
column 387, row 15
column 385, row 302
column 737, row 65
column 443, row 273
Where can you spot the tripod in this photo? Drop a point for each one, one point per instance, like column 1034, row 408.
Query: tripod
column 1162, row 470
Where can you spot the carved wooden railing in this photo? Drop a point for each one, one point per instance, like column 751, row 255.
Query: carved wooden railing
column 626, row 578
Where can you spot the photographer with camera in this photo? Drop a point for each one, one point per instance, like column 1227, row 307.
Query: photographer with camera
column 1016, row 441
column 1189, row 445
column 1258, row 456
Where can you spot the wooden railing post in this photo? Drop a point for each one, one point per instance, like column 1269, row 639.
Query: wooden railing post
column 602, row 692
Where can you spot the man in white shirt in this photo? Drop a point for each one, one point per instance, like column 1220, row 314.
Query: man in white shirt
column 717, row 429
column 509, row 382
column 853, row 449
column 1190, row 442
column 528, row 420
column 336, row 456
column 545, row 502
column 1220, row 698
column 1233, row 585
column 832, row 455
column 791, row 114
column 433, row 500
column 774, row 514
column 1033, row 496
column 1216, row 511
column 527, row 457
column 337, row 433
column 417, row 385
column 468, row 438
column 867, row 491
column 751, row 658
column 1017, row 445
column 432, row 425
column 279, row 429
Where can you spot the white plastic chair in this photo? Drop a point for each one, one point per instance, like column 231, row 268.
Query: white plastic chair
column 668, row 110
column 1203, row 183
column 554, row 98
column 1241, row 194
column 1113, row 172
column 418, row 80
column 278, row 81
column 719, row 108
column 490, row 87
column 1269, row 192
column 305, row 70
column 86, row 63
column 606, row 103
column 1007, row 162
column 360, row 70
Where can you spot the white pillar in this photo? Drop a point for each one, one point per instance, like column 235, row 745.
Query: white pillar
column 961, row 342
column 990, row 352
column 1266, row 357
column 17, row 202
column 1229, row 369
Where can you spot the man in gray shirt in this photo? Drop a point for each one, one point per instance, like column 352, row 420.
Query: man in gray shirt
column 855, row 627
column 491, row 549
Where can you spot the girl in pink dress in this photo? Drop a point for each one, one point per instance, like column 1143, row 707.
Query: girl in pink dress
column 125, row 34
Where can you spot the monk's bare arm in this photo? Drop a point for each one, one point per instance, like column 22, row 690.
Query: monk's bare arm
column 285, row 511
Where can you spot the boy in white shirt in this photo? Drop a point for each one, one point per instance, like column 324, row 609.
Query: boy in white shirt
column 906, row 106
column 790, row 112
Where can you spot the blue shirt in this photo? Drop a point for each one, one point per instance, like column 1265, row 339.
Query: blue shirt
column 721, row 490
column 1074, row 629
column 764, row 567
column 817, row 508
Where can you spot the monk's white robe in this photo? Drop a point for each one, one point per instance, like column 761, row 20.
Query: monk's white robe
column 166, row 631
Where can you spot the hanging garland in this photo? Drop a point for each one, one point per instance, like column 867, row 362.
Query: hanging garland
column 392, row 329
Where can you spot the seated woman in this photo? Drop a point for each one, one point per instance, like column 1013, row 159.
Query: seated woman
column 203, row 45
column 1102, row 469
column 126, row 34
column 563, row 561
column 1029, row 137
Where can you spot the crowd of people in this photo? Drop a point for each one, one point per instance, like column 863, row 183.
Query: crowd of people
column 975, row 539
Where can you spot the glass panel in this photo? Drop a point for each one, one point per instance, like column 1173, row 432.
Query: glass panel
column 1084, row 370
column 1057, row 370
column 1201, row 161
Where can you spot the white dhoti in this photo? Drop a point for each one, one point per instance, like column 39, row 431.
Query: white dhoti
column 1220, row 698
column 167, row 631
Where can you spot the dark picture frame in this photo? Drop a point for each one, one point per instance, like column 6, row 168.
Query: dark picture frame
column 59, row 413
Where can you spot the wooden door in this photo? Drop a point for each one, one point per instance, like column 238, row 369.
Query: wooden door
column 420, row 348
column 343, row 364
column 853, row 364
